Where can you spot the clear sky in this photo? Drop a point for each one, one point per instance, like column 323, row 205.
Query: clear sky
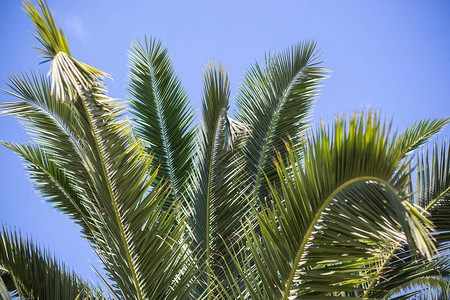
column 390, row 55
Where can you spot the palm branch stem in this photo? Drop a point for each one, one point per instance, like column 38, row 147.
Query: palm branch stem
column 260, row 169
column 164, row 135
column 314, row 221
column 21, row 289
column 114, row 200
column 208, row 199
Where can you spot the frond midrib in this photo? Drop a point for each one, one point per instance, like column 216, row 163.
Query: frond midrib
column 314, row 221
column 114, row 202
column 208, row 199
column 163, row 127
column 271, row 128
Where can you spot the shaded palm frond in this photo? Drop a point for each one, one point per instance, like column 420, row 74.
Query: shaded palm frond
column 432, row 195
column 218, row 184
column 426, row 288
column 163, row 114
column 32, row 273
column 402, row 271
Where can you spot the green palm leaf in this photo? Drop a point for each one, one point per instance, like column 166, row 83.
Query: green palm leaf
column 276, row 102
column 432, row 194
column 36, row 274
column 101, row 176
column 218, row 182
column 164, row 116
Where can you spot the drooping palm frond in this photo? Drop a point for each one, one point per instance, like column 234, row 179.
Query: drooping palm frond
column 54, row 125
column 33, row 273
column 101, row 175
column 276, row 102
column 218, row 183
column 345, row 177
column 164, row 116
column 432, row 194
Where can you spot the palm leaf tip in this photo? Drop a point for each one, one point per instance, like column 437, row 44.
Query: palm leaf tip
column 70, row 77
column 48, row 34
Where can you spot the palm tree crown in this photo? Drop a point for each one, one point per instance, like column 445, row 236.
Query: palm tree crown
column 263, row 206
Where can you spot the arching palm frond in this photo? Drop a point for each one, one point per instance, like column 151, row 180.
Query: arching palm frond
column 345, row 177
column 255, row 208
column 426, row 288
column 432, row 195
column 32, row 273
column 163, row 114
column 276, row 101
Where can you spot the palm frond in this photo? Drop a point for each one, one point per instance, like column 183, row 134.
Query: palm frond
column 432, row 195
column 276, row 102
column 58, row 155
column 433, row 188
column 419, row 133
column 219, row 174
column 87, row 150
column 345, row 176
column 426, row 288
column 164, row 116
column 36, row 274
column 402, row 270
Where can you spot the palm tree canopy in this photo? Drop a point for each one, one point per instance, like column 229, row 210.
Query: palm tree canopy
column 264, row 206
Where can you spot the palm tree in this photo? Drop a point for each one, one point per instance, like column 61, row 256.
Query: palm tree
column 263, row 206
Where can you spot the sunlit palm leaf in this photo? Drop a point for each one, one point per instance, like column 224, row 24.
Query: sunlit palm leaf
column 69, row 76
column 419, row 133
column 111, row 175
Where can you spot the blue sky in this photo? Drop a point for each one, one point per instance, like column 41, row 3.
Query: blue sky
column 389, row 55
